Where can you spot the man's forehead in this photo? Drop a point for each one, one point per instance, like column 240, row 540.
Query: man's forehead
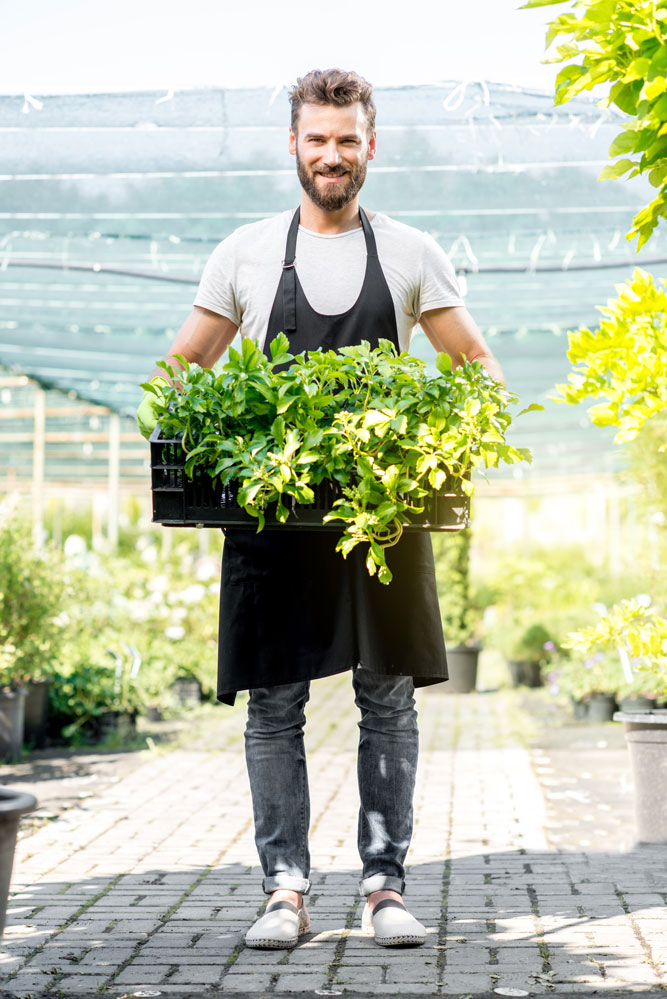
column 332, row 118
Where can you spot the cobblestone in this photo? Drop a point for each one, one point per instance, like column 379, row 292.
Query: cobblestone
column 152, row 880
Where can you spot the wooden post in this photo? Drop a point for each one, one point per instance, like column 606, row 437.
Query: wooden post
column 38, row 467
column 114, row 480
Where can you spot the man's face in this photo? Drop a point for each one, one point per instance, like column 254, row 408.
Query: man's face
column 332, row 147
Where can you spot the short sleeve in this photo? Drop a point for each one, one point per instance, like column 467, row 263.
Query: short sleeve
column 216, row 288
column 438, row 285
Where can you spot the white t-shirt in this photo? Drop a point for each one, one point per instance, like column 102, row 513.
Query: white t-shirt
column 242, row 274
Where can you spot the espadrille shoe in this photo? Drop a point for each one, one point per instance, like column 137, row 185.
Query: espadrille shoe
column 281, row 926
column 392, row 925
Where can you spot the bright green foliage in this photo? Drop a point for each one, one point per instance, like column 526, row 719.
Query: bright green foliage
column 32, row 584
column 373, row 421
column 634, row 628
column 624, row 43
column 452, row 570
column 625, row 360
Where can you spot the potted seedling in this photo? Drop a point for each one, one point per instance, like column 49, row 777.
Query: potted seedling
column 638, row 634
column 31, row 591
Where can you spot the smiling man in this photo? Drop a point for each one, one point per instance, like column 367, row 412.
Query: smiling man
column 328, row 274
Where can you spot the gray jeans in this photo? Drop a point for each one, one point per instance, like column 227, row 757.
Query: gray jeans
column 386, row 766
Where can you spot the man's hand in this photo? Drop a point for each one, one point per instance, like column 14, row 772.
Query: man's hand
column 147, row 419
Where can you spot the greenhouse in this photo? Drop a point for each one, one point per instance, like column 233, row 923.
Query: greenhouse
column 112, row 204
column 476, row 568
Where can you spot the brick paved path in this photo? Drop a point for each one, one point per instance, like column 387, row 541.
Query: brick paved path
column 148, row 886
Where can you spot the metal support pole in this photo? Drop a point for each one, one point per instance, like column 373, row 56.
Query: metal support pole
column 114, row 480
column 38, row 467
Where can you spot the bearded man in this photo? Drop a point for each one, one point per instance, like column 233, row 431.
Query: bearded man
column 328, row 274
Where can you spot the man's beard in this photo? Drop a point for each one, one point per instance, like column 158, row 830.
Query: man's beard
column 332, row 197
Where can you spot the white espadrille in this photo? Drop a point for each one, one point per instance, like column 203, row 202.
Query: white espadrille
column 392, row 925
column 281, row 926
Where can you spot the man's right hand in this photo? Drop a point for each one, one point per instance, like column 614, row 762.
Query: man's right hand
column 147, row 418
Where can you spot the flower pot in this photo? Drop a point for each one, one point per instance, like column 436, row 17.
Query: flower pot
column 525, row 674
column 12, row 706
column 637, row 703
column 646, row 736
column 462, row 667
column 187, row 691
column 579, row 709
column 601, row 707
column 153, row 714
column 12, row 805
column 36, row 712
column 112, row 723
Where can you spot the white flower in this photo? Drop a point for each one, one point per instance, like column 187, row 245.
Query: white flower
column 178, row 613
column 193, row 594
column 175, row 631
column 150, row 555
column 158, row 584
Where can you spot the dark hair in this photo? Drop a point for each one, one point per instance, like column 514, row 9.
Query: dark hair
column 332, row 86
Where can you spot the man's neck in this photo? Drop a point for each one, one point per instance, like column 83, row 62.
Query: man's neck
column 328, row 223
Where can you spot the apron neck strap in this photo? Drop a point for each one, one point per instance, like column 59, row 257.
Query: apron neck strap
column 290, row 249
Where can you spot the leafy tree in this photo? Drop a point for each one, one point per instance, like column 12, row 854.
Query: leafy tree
column 625, row 361
column 623, row 43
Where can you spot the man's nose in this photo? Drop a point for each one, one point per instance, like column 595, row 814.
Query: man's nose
column 332, row 156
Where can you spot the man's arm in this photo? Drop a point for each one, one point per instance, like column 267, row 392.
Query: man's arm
column 454, row 331
column 202, row 339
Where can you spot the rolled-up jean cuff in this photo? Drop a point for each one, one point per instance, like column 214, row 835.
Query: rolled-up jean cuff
column 381, row 882
column 286, row 881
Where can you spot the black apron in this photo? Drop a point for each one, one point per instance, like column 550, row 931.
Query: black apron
column 291, row 607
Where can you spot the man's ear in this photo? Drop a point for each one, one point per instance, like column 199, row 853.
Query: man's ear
column 292, row 143
column 372, row 147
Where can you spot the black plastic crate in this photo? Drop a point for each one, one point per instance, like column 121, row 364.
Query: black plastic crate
column 179, row 501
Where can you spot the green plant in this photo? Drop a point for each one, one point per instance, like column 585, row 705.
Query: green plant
column 622, row 43
column 639, row 636
column 372, row 421
column 580, row 677
column 460, row 615
column 32, row 586
column 533, row 644
column 624, row 361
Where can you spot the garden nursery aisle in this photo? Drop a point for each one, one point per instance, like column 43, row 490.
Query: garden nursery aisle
column 523, row 867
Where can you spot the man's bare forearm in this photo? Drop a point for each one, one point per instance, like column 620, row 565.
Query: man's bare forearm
column 202, row 339
column 489, row 362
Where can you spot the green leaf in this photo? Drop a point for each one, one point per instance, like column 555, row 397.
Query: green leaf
column 616, row 169
column 443, row 362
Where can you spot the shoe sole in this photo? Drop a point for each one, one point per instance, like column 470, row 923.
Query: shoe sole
column 399, row 941
column 270, row 943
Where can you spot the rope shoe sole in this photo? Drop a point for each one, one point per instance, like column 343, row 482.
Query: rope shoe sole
column 281, row 926
column 392, row 925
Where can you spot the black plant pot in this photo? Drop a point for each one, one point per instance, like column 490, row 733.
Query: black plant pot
column 112, row 723
column 462, row 663
column 525, row 674
column 13, row 804
column 601, row 707
column 579, row 709
column 187, row 691
column 12, row 715
column 36, row 713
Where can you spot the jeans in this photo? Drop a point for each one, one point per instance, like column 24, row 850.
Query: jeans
column 386, row 767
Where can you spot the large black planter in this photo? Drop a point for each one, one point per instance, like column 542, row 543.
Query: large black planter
column 462, row 663
column 12, row 705
column 13, row 804
column 646, row 736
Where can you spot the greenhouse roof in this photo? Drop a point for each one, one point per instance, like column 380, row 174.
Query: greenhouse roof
column 111, row 204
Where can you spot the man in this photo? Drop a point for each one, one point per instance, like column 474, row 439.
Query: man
column 328, row 274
